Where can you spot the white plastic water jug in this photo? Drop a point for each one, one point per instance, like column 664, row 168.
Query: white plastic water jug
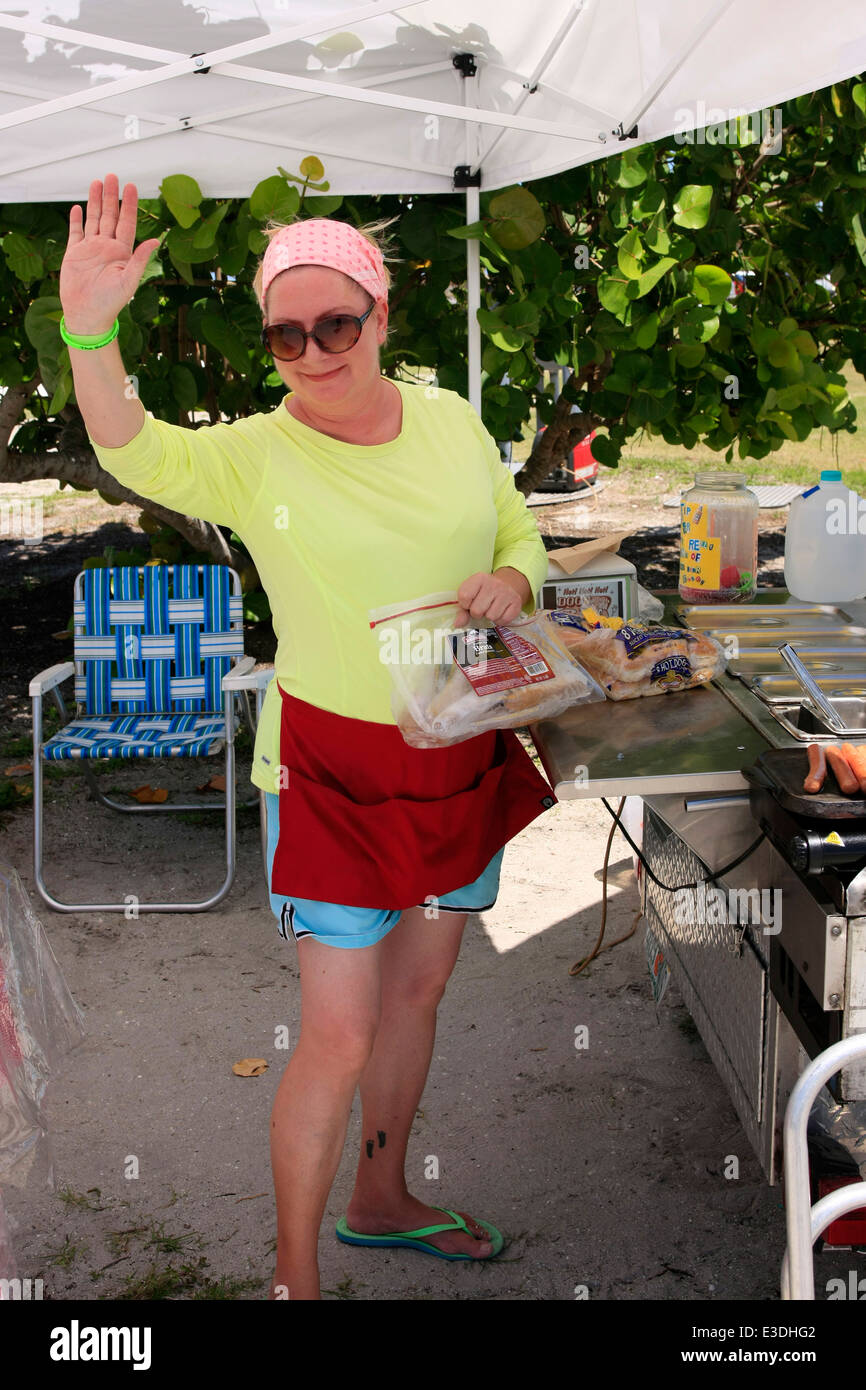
column 825, row 543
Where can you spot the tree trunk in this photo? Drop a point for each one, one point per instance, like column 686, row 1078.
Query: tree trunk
column 75, row 463
column 563, row 433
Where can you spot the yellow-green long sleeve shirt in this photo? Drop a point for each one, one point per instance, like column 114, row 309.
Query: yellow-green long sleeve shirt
column 336, row 529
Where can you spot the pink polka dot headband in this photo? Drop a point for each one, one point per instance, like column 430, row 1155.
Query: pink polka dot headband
column 324, row 241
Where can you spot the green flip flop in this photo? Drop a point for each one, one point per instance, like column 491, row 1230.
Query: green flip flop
column 412, row 1239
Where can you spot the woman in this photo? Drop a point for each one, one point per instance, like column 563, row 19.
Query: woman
column 355, row 492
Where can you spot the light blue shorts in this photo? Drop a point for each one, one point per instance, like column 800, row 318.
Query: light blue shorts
column 336, row 924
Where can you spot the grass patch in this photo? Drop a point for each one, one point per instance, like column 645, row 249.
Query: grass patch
column 643, row 457
column 66, row 1254
column 87, row 1200
column 169, row 1244
column 188, row 1280
column 346, row 1289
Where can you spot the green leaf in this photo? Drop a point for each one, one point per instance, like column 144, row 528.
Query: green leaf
column 783, row 420
column 788, row 398
column 471, row 232
column 711, row 284
column 782, row 353
column 205, row 232
column 605, row 451
column 692, row 205
column 500, row 333
column 646, row 333
column 62, row 392
column 540, row 262
column 688, row 355
column 859, row 236
column 656, row 237
column 612, row 294
column 762, row 336
column 182, row 245
column 273, row 200
column 518, row 218
column 182, row 196
column 635, row 167
column 650, row 201
column 153, row 270
column 226, row 339
column 257, row 609
column 858, row 96
column 257, row 242
column 183, row 385
column 630, row 253
column 699, row 324
column 428, row 231
column 322, row 205
column 682, row 248
column 183, row 268
column 523, row 315
column 805, row 344
column 42, row 324
column 493, row 360
column 22, row 257
column 651, row 277
column 498, row 395
column 310, row 166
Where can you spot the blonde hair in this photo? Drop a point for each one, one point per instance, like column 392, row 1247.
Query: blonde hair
column 373, row 232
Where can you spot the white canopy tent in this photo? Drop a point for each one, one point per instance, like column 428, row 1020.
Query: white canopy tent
column 407, row 98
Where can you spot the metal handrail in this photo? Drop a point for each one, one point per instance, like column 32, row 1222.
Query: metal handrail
column 806, row 1222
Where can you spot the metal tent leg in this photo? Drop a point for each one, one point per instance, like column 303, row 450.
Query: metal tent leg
column 805, row 1222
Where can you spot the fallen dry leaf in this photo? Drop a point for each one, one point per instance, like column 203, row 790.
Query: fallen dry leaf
column 19, row 768
column 23, row 788
column 64, row 634
column 216, row 784
column 149, row 794
column 250, row 1066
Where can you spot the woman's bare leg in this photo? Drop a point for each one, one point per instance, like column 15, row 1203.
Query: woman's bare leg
column 340, row 1006
column 418, row 957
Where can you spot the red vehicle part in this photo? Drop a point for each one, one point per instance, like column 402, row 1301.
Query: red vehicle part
column 583, row 466
column 849, row 1229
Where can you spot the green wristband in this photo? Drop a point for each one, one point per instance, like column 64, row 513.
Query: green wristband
column 87, row 343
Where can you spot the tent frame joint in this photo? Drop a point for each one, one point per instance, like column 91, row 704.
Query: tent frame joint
column 464, row 177
column 626, row 134
column 465, row 64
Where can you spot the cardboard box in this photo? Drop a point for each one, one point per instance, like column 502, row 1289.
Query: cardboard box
column 592, row 574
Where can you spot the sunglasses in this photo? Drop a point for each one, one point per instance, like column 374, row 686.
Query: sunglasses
column 335, row 334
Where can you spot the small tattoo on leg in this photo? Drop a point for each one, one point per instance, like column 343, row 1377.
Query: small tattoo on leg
column 381, row 1135
column 369, row 1148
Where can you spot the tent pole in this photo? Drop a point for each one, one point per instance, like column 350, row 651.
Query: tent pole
column 473, row 285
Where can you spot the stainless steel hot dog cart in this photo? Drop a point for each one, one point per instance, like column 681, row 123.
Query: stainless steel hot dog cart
column 783, row 985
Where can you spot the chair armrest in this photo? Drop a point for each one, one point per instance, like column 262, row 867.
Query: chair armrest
column 243, row 677
column 51, row 676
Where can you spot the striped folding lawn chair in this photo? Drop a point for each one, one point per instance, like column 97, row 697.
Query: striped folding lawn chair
column 159, row 670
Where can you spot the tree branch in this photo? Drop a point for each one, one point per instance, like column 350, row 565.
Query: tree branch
column 565, row 430
column 78, row 465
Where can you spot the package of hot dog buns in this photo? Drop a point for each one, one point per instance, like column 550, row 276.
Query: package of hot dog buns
column 631, row 659
column 449, row 684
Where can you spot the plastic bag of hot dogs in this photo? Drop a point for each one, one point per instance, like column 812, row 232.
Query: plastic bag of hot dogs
column 449, row 684
column 632, row 659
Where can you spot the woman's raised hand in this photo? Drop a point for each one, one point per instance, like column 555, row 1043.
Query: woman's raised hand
column 102, row 267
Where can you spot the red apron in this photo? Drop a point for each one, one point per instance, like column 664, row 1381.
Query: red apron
column 368, row 821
